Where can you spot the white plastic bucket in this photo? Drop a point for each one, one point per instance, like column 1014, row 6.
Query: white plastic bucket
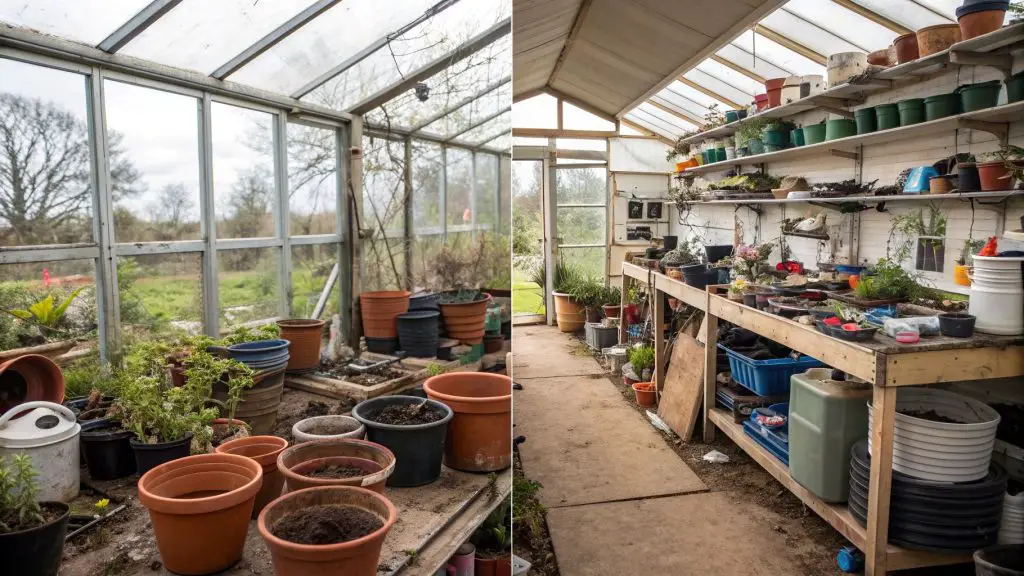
column 997, row 295
column 48, row 434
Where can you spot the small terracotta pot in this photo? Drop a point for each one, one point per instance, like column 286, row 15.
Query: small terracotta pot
column 264, row 450
column 466, row 321
column 480, row 433
column 940, row 185
column 500, row 566
column 980, row 23
column 645, row 395
column 294, row 462
column 611, row 311
column 994, row 176
column 935, row 39
column 357, row 557
column 879, row 57
column 30, row 378
column 305, row 336
column 379, row 310
column 906, row 48
column 198, row 533
column 568, row 314
column 774, row 89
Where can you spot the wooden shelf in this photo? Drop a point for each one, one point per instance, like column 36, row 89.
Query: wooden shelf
column 837, row 515
column 688, row 294
column 872, row 199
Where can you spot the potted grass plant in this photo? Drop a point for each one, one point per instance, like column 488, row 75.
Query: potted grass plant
column 31, row 532
column 569, row 314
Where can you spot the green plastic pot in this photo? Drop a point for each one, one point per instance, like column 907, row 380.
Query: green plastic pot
column 865, row 119
column 720, row 155
column 887, row 116
column 911, row 111
column 775, row 137
column 979, row 96
column 797, row 137
column 755, row 146
column 705, row 158
column 841, row 128
column 1015, row 88
column 814, row 134
column 941, row 106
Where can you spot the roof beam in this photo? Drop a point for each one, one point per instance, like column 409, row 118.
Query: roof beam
column 556, row 133
column 373, row 47
column 137, row 25
column 677, row 112
column 485, row 38
column 527, row 95
column 275, row 36
column 480, row 123
column 465, row 101
column 709, row 93
column 648, row 132
column 873, row 16
column 579, row 104
column 791, row 44
column 491, row 139
column 577, row 23
column 748, row 73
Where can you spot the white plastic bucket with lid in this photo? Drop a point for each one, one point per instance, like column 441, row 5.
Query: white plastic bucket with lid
column 48, row 434
column 997, row 295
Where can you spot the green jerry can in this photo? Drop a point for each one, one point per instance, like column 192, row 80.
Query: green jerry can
column 826, row 418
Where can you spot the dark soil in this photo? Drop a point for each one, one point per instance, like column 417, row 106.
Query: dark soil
column 931, row 415
column 407, row 414
column 49, row 513
column 329, row 524
column 328, row 429
column 336, row 471
column 223, row 433
column 342, row 371
column 316, row 408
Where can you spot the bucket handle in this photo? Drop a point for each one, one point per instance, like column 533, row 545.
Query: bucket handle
column 36, row 404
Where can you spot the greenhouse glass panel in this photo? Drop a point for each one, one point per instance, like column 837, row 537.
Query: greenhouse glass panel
column 312, row 180
column 459, row 188
column 383, row 264
column 248, row 285
column 581, row 186
column 756, row 63
column 502, row 143
column 427, row 182
column 720, row 87
column 470, row 115
column 731, row 77
column 384, row 186
column 912, row 14
column 627, row 130
column 540, row 111
column 590, row 260
column 243, row 172
column 821, row 41
column 487, row 191
column 947, row 7
column 22, row 285
column 644, row 121
column 760, row 49
column 672, row 122
column 680, row 103
column 157, row 133
column 160, row 295
column 581, row 225
column 488, row 130
column 44, row 106
column 844, row 23
column 695, row 95
column 311, row 267
column 574, row 118
column 88, row 21
column 595, row 145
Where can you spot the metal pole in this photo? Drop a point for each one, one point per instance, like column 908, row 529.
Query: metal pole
column 408, row 207
column 107, row 303
column 344, row 222
column 208, row 224
column 282, row 214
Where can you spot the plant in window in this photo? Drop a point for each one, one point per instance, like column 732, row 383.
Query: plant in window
column 930, row 233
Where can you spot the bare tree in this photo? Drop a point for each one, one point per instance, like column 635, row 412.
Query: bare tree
column 249, row 205
column 45, row 173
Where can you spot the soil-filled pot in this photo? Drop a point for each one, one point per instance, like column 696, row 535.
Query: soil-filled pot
column 841, row 128
column 906, row 48
column 935, row 39
column 1015, row 88
column 258, row 405
column 200, row 508
column 36, row 551
column 107, row 451
column 418, row 448
column 30, row 378
column 305, row 336
column 479, row 438
column 226, row 430
column 941, row 106
column 149, row 456
column 611, row 311
column 956, row 325
column 417, row 333
column 866, row 121
column 568, row 314
column 464, row 321
column 358, row 557
column 264, row 450
column 968, row 179
column 1003, row 560
column 379, row 310
column 645, row 395
column 974, row 97
column 980, row 18
column 994, row 176
column 336, row 462
column 814, row 134
column 911, row 111
column 327, row 428
column 887, row 116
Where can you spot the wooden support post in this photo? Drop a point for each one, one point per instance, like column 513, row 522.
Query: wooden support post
column 884, row 403
column 710, row 366
column 658, row 311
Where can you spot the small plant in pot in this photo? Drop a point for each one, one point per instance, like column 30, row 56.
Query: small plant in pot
column 612, row 302
column 641, row 358
column 31, row 532
column 589, row 295
column 569, row 314
column 493, row 543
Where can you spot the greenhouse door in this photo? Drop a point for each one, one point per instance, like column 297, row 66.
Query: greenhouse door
column 581, row 218
column 528, row 236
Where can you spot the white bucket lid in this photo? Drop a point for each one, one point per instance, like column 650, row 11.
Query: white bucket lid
column 46, row 423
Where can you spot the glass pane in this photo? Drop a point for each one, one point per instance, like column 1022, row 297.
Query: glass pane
column 488, row 130
column 591, row 260
column 580, row 226
column 45, row 155
column 644, row 121
column 22, row 285
column 383, row 264
column 581, row 144
column 764, row 49
column 673, row 123
column 695, row 95
column 627, row 130
column 248, row 285
column 487, row 191
column 459, row 187
column 721, row 87
column 502, row 143
column 384, row 187
column 243, row 172
column 756, row 62
column 158, row 133
column 312, row 180
column 574, row 118
column 292, row 64
column 521, row 141
column 681, row 104
column 160, row 295
column 88, row 21
column 842, row 22
column 541, row 111
column 311, row 268
column 505, row 193
column 478, row 260
column 203, row 35
column 527, row 235
column 427, row 175
column 581, row 186
column 731, row 77
column 821, row 41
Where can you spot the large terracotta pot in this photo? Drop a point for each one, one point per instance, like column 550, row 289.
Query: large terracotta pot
column 465, row 322
column 353, row 558
column 568, row 314
column 305, row 336
column 935, row 39
column 979, row 23
column 200, row 508
column 264, row 450
column 993, row 176
column 774, row 89
column 30, row 378
column 906, row 48
column 480, row 433
column 376, row 460
column 380, row 310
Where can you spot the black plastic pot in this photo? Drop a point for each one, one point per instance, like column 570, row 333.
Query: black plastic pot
column 107, row 451
column 717, row 252
column 418, row 449
column 699, row 276
column 381, row 345
column 149, row 456
column 968, row 179
column 1005, row 560
column 957, row 325
column 36, row 551
column 425, row 301
column 417, row 333
column 671, row 242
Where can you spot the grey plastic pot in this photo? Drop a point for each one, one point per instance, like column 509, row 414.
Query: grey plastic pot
column 346, row 426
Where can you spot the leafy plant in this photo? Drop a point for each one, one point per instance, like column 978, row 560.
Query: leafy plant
column 460, row 296
column 527, row 511
column 435, row 369
column 779, row 126
column 915, row 224
column 641, row 357
column 751, row 261
column 714, row 117
column 681, row 147
column 45, row 312
column 566, row 276
column 19, row 509
column 588, row 293
column 970, row 248
column 889, row 281
column 244, row 334
column 612, row 296
column 750, row 129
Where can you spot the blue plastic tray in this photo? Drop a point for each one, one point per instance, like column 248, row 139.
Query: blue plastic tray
column 767, row 377
column 775, row 441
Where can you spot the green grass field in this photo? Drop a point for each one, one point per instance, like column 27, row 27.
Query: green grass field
column 527, row 296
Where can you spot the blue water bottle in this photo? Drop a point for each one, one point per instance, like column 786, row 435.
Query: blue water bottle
column 850, row 559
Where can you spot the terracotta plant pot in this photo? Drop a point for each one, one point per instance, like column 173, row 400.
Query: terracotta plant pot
column 994, row 176
column 906, row 48
column 611, row 311
column 305, row 336
column 465, row 321
column 377, row 461
column 200, row 508
column 774, row 89
column 645, row 395
column 222, row 426
column 980, row 23
column 879, row 57
column 357, row 557
column 935, row 39
column 264, row 450
column 500, row 566
column 568, row 314
column 379, row 310
column 30, row 378
column 479, row 435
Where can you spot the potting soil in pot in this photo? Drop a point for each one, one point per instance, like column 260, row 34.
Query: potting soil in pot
column 407, row 414
column 335, row 471
column 327, row 524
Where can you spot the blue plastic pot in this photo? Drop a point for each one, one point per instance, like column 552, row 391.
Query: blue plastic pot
column 260, row 354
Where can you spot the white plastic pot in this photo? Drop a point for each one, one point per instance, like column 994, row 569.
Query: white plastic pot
column 845, row 65
column 301, row 430
column 941, row 451
column 48, row 434
column 815, row 82
column 997, row 295
column 791, row 90
column 730, row 153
